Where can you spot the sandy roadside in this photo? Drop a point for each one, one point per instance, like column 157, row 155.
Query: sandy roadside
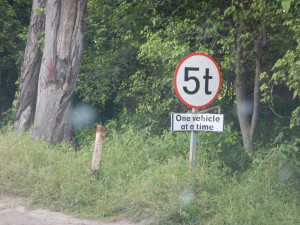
column 13, row 211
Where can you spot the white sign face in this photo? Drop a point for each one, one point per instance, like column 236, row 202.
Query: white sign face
column 197, row 122
column 197, row 80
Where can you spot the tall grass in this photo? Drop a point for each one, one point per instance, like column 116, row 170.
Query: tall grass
column 147, row 177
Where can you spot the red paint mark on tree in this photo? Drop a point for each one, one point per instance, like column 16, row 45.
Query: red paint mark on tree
column 51, row 70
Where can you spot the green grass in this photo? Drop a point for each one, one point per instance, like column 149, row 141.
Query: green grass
column 147, row 177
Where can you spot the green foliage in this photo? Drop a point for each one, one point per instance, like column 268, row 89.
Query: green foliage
column 14, row 19
column 41, row 40
column 226, row 149
column 132, row 49
column 7, row 118
column 285, row 71
column 286, row 4
column 287, row 152
column 109, row 58
column 129, row 63
column 147, row 177
column 41, row 11
column 9, row 26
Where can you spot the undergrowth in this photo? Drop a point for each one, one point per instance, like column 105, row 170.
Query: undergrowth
column 147, row 177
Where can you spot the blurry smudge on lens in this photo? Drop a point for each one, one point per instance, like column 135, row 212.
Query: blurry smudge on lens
column 83, row 115
column 187, row 196
column 246, row 108
column 285, row 174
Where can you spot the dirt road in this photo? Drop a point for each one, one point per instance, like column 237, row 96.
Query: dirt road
column 13, row 211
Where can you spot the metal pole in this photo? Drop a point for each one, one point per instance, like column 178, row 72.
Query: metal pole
column 193, row 146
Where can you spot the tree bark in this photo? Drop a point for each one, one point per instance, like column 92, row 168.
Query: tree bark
column 248, row 124
column 59, row 69
column 258, row 42
column 241, row 98
column 30, row 69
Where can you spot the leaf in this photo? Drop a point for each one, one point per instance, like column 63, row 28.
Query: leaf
column 279, row 137
column 286, row 4
column 229, row 10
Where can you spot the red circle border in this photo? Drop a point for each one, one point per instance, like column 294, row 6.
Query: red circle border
column 175, row 83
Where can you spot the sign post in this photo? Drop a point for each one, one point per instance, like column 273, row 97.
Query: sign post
column 197, row 82
column 193, row 146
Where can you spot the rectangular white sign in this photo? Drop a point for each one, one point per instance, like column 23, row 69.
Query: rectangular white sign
column 197, row 122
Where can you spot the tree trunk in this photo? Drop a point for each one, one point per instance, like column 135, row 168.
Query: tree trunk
column 30, row 69
column 241, row 98
column 59, row 69
column 248, row 124
column 258, row 42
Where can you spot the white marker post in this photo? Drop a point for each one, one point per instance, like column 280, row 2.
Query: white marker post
column 197, row 82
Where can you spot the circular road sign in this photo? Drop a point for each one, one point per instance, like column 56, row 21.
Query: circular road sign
column 197, row 80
